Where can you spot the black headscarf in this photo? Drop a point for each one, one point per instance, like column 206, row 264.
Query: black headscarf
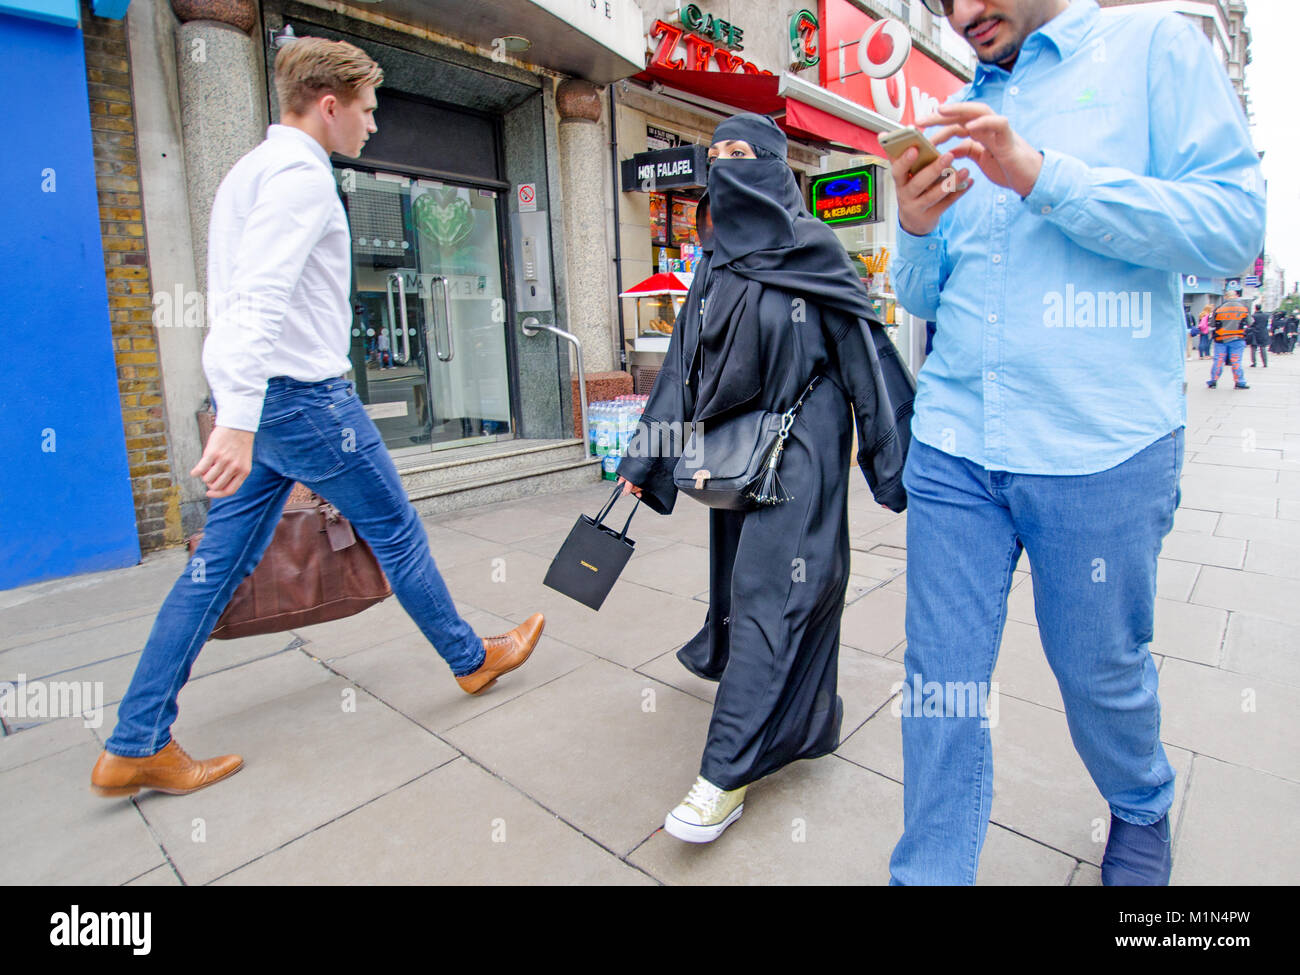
column 761, row 236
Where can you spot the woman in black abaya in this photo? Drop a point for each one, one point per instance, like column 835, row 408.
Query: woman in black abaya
column 775, row 303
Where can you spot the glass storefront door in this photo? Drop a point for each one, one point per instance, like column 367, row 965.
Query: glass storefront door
column 429, row 331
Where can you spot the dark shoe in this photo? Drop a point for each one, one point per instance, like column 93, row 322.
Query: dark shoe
column 169, row 770
column 1241, row 386
column 1211, row 383
column 502, row 654
column 1137, row 856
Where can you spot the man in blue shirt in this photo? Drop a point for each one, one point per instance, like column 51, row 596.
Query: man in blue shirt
column 1108, row 155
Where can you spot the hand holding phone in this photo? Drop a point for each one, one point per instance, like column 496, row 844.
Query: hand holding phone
column 899, row 141
column 928, row 185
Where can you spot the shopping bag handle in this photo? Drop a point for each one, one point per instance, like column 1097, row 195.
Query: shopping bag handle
column 618, row 490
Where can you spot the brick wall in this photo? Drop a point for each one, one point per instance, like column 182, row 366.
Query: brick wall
column 121, row 219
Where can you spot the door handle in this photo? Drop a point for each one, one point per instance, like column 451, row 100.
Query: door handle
column 401, row 291
column 446, row 305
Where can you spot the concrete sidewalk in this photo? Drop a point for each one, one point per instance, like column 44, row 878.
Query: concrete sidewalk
column 365, row 763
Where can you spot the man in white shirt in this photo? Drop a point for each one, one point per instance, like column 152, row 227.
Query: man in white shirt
column 279, row 276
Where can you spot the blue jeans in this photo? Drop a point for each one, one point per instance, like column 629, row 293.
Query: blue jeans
column 1231, row 352
column 1092, row 541
column 319, row 434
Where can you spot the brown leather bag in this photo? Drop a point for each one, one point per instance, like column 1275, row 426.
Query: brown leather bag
column 315, row 569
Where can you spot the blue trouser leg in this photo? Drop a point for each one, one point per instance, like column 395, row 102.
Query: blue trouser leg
column 368, row 491
column 1237, row 349
column 319, row 434
column 961, row 552
column 236, row 534
column 1220, row 354
column 1093, row 541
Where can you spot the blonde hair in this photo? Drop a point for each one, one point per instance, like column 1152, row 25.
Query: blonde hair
column 312, row 66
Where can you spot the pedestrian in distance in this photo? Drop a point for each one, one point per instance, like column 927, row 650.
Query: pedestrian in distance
column 279, row 274
column 1283, row 337
column 1229, row 324
column 776, row 315
column 1258, row 335
column 1203, row 328
column 1020, row 442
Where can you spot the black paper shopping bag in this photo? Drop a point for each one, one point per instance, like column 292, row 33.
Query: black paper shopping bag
column 591, row 558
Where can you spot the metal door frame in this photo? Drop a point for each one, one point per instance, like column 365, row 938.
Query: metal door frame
column 504, row 250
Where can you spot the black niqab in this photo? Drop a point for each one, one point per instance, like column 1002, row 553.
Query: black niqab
column 761, row 235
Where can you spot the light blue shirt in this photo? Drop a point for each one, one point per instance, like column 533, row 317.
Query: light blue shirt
column 1060, row 326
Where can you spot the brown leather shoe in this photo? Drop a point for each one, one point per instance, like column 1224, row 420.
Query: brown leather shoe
column 503, row 654
column 169, row 770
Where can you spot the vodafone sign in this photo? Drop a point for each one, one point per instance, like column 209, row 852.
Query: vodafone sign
column 873, row 63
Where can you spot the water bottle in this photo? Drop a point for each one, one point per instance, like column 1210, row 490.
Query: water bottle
column 593, row 416
column 623, row 417
column 603, row 438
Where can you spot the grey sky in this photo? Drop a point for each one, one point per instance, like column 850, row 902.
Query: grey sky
column 1271, row 77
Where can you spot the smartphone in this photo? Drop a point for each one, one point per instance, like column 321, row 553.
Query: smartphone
column 898, row 142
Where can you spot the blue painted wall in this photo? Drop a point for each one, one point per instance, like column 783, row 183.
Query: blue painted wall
column 65, row 495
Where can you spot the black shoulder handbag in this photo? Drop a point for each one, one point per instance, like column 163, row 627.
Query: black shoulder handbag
column 732, row 465
column 592, row 557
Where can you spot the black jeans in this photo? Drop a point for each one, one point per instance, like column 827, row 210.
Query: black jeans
column 1263, row 354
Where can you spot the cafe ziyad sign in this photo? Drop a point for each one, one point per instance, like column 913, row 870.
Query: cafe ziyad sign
column 650, row 172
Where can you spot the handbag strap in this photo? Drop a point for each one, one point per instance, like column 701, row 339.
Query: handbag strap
column 794, row 364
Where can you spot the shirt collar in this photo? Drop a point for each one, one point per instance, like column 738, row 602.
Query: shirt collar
column 1065, row 32
column 291, row 133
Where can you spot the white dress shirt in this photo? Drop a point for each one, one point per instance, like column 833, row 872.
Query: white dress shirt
column 279, row 275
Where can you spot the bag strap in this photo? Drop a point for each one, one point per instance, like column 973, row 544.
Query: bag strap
column 618, row 490
column 623, row 534
column 794, row 410
column 794, row 364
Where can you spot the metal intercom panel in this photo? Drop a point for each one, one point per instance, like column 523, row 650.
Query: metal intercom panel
column 532, row 261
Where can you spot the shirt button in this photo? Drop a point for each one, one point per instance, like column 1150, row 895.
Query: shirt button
column 992, row 318
column 1002, row 198
column 933, row 246
column 1109, row 237
column 997, row 258
column 1013, row 90
column 992, row 376
column 1046, row 210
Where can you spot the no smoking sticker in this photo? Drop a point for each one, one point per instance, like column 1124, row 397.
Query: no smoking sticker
column 527, row 195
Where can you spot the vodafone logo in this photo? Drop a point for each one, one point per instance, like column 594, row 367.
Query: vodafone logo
column 882, row 52
column 875, row 62
column 884, row 48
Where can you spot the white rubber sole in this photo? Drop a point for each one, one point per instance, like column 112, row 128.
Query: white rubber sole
column 691, row 833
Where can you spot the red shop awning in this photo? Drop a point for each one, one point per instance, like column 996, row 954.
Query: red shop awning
column 762, row 93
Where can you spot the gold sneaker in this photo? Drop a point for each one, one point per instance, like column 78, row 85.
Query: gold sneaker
column 705, row 812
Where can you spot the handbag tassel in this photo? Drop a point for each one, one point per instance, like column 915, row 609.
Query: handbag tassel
column 768, row 489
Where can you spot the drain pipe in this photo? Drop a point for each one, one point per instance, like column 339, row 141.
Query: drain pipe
column 618, row 241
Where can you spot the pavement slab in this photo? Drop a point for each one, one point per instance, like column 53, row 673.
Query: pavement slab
column 458, row 824
column 1238, row 827
column 307, row 760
